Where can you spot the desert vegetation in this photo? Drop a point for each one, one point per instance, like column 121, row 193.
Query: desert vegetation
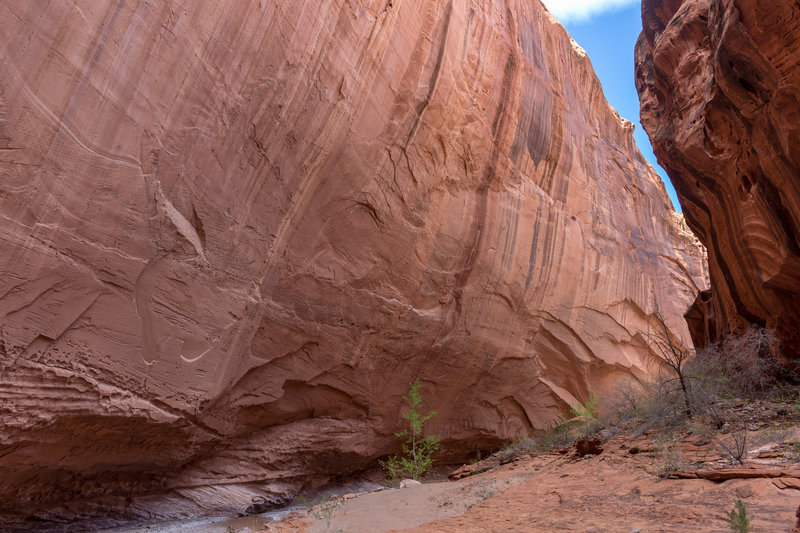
column 738, row 520
column 709, row 395
column 416, row 459
column 714, row 414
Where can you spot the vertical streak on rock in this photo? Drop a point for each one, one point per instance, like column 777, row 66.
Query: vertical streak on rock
column 473, row 242
column 437, row 68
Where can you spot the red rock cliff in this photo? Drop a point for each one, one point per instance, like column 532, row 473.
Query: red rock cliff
column 232, row 232
column 719, row 83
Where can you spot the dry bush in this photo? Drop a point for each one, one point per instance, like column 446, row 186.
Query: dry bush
column 704, row 432
column 735, row 447
column 516, row 447
column 626, row 399
column 566, row 432
column 668, row 460
column 671, row 353
column 708, row 388
column 775, row 435
column 697, row 389
column 660, row 404
column 560, row 436
column 745, row 365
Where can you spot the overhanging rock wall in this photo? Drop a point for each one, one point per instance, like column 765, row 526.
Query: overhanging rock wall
column 232, row 232
column 719, row 85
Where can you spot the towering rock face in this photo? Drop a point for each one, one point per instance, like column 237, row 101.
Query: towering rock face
column 232, row 232
column 719, row 83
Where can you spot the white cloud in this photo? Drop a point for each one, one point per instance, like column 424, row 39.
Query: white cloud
column 581, row 10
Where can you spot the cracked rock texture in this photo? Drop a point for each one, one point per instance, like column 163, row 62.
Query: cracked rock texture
column 232, row 232
column 719, row 85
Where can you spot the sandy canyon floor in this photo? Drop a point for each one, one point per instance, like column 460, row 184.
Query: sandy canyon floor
column 653, row 482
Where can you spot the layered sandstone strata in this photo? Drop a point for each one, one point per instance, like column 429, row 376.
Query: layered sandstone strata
column 719, row 83
column 232, row 232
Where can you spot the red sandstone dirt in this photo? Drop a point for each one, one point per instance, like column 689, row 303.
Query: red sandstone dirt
column 661, row 481
column 615, row 491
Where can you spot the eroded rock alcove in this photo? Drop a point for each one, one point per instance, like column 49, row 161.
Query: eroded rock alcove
column 232, row 232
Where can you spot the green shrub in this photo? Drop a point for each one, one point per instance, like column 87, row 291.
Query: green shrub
column 418, row 449
column 588, row 409
column 794, row 451
column 738, row 519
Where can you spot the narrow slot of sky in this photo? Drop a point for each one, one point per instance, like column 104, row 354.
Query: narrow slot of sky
column 607, row 30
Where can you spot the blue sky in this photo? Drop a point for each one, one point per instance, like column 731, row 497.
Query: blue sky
column 607, row 30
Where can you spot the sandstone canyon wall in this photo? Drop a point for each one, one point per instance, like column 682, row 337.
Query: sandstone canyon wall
column 719, row 84
column 232, row 232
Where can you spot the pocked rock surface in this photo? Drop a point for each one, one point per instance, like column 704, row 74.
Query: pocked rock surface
column 232, row 232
